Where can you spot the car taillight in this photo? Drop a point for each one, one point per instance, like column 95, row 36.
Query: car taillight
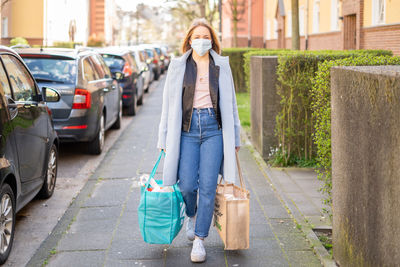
column 81, row 99
column 127, row 70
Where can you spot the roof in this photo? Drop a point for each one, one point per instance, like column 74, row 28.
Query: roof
column 61, row 52
column 281, row 8
column 117, row 51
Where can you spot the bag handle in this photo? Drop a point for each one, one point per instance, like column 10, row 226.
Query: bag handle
column 153, row 172
column 242, row 184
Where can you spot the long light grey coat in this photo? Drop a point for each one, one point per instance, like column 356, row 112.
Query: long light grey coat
column 169, row 136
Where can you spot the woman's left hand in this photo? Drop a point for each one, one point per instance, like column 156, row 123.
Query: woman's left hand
column 237, row 148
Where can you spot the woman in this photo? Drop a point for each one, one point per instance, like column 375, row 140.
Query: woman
column 199, row 128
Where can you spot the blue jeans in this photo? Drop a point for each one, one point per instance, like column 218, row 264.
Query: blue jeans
column 199, row 164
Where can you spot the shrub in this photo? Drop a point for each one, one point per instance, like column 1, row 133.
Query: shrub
column 294, row 123
column 321, row 107
column 18, row 41
column 236, row 63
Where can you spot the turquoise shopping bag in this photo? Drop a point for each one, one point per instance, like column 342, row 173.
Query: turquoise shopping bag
column 161, row 214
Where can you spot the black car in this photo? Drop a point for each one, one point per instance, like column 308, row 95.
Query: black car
column 121, row 60
column 90, row 97
column 28, row 147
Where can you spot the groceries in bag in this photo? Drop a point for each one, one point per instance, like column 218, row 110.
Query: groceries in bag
column 161, row 210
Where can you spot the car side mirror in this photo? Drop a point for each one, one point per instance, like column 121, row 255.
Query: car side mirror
column 118, row 76
column 50, row 94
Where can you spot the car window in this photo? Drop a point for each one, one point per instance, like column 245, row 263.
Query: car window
column 4, row 84
column 115, row 63
column 140, row 56
column 52, row 69
column 103, row 66
column 88, row 71
column 101, row 74
column 132, row 61
column 22, row 84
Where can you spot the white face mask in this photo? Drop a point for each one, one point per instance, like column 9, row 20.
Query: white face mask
column 201, row 46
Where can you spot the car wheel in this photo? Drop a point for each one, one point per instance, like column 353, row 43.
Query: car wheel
column 96, row 145
column 51, row 174
column 117, row 123
column 132, row 108
column 7, row 221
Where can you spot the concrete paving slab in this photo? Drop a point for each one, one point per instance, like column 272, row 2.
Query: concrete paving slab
column 132, row 263
column 134, row 249
column 276, row 211
column 180, row 257
column 109, row 193
column 77, row 259
column 85, row 241
column 303, row 258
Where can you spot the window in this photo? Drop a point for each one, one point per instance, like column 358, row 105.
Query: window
column 275, row 29
column 378, row 12
column 52, row 69
column 301, row 20
column 316, row 15
column 104, row 66
column 334, row 15
column 88, row 72
column 22, row 83
column 4, row 27
column 101, row 74
column 289, row 24
column 268, row 29
column 4, row 85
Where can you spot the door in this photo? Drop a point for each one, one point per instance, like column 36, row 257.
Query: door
column 105, row 84
column 350, row 32
column 29, row 122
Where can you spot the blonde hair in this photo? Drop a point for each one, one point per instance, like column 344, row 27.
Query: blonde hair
column 196, row 23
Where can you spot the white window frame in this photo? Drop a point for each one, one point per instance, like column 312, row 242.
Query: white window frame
column 334, row 15
column 289, row 24
column 4, row 27
column 316, row 16
column 275, row 29
column 268, row 29
column 378, row 12
column 301, row 20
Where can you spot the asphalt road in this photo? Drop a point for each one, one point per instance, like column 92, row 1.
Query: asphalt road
column 36, row 220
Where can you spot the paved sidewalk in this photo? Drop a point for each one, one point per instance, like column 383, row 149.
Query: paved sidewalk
column 100, row 228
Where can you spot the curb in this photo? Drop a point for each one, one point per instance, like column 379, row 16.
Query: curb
column 318, row 248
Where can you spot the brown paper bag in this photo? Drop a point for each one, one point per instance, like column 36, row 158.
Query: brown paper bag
column 232, row 213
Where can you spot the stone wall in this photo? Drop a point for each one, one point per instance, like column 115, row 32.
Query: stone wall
column 365, row 165
column 264, row 103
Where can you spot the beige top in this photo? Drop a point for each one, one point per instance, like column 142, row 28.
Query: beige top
column 202, row 98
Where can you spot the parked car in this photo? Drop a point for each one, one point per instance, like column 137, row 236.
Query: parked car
column 153, row 60
column 29, row 143
column 121, row 60
column 148, row 62
column 90, row 97
column 161, row 58
column 144, row 69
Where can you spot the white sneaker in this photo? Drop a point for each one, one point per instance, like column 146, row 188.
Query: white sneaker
column 198, row 252
column 190, row 228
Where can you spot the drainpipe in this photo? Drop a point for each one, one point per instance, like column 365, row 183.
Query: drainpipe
column 249, row 24
column 307, row 19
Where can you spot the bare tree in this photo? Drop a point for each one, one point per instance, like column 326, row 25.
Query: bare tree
column 295, row 25
column 3, row 3
column 237, row 9
column 192, row 9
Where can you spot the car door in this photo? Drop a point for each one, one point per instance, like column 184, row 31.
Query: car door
column 113, row 85
column 104, row 84
column 29, row 122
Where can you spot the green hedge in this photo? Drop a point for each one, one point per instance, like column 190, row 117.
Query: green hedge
column 321, row 107
column 236, row 62
column 294, row 123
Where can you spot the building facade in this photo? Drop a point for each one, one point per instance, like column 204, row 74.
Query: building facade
column 45, row 22
column 324, row 24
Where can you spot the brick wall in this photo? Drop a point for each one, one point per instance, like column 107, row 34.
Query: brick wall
column 382, row 37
